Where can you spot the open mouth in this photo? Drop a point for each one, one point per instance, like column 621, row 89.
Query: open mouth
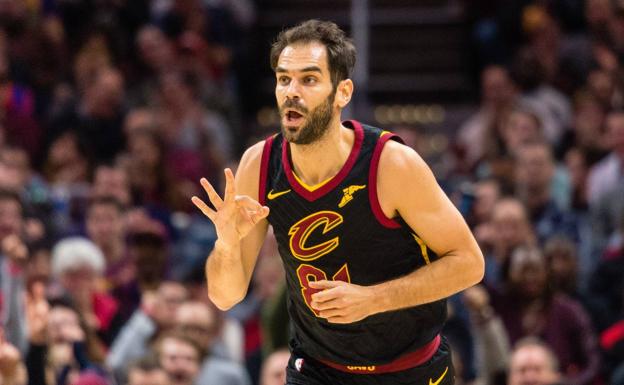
column 292, row 117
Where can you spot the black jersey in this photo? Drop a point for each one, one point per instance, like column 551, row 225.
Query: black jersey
column 337, row 230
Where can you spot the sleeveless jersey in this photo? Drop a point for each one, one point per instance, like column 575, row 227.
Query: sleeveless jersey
column 338, row 231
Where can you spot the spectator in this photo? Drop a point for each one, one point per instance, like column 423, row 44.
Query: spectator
column 508, row 229
column 13, row 256
column 180, row 356
column 78, row 266
column 106, row 228
column 111, row 181
column 198, row 321
column 536, row 185
column 605, row 175
column 586, row 132
column 491, row 340
column 274, row 368
column 528, row 307
column 533, row 363
column 147, row 371
column 497, row 97
column 156, row 313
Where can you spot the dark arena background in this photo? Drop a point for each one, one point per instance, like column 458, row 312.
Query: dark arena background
column 112, row 110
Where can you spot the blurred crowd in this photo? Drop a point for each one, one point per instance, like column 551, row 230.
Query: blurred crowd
column 111, row 111
column 538, row 172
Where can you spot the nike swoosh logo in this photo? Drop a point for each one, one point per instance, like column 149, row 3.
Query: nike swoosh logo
column 439, row 379
column 271, row 195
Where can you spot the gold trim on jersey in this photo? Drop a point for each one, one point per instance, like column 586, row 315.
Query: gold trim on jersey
column 311, row 188
column 423, row 248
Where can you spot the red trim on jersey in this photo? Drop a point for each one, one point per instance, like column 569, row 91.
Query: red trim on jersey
column 264, row 169
column 372, row 184
column 405, row 362
column 311, row 196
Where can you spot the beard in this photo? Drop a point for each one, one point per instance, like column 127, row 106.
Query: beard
column 316, row 124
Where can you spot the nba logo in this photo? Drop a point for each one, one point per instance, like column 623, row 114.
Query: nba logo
column 298, row 364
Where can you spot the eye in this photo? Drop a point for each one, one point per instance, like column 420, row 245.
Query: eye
column 283, row 80
column 309, row 80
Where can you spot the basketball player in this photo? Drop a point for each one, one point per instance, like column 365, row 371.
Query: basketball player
column 370, row 243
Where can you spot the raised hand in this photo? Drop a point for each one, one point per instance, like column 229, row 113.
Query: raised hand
column 37, row 310
column 13, row 247
column 235, row 215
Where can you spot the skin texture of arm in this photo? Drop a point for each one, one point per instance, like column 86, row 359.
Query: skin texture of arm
column 241, row 228
column 407, row 187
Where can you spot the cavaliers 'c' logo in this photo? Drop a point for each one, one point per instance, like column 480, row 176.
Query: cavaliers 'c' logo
column 300, row 231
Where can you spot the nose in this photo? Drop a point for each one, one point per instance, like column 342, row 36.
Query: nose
column 292, row 91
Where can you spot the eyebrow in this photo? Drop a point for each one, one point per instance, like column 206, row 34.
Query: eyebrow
column 305, row 69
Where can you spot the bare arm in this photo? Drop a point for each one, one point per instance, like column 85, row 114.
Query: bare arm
column 241, row 227
column 434, row 218
column 407, row 187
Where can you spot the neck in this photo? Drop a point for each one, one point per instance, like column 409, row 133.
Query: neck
column 316, row 162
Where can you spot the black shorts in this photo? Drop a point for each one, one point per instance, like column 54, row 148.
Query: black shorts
column 438, row 370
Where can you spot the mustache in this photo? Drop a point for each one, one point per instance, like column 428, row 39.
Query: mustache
column 294, row 105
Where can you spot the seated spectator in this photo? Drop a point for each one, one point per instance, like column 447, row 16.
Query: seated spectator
column 230, row 336
column 533, row 363
column 563, row 267
column 198, row 321
column 111, row 181
column 516, row 127
column 62, row 347
column 545, row 199
column 156, row 313
column 586, row 131
column 78, row 267
column 497, row 96
column 491, row 341
column 181, row 357
column 105, row 226
column 67, row 169
column 508, row 229
column 550, row 106
column 149, row 174
column 529, row 308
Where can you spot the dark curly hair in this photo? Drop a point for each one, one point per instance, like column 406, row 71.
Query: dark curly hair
column 340, row 49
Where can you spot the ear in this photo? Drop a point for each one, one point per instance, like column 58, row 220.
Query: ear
column 344, row 92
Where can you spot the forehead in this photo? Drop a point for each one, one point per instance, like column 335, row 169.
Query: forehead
column 171, row 346
column 301, row 55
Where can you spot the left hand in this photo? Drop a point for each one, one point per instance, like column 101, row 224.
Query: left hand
column 342, row 302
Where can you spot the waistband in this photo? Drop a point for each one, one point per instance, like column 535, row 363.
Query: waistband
column 404, row 362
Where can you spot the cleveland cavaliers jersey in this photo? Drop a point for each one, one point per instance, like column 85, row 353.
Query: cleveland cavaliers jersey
column 337, row 230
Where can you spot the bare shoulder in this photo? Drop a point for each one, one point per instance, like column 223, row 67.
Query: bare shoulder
column 403, row 173
column 248, row 172
column 398, row 160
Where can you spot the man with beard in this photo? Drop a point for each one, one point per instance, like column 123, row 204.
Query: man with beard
column 180, row 356
column 370, row 244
